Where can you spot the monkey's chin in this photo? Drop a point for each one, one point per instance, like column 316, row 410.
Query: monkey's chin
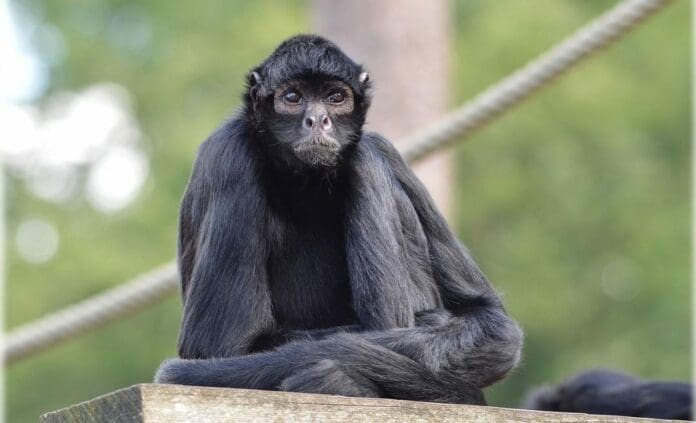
column 319, row 152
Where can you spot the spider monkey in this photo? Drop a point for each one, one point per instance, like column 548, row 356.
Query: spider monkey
column 313, row 260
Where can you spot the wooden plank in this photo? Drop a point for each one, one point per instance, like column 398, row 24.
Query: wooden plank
column 151, row 403
column 124, row 405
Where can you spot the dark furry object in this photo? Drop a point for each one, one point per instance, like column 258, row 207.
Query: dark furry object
column 313, row 260
column 608, row 392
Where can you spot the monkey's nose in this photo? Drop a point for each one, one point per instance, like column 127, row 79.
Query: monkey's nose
column 309, row 122
column 326, row 122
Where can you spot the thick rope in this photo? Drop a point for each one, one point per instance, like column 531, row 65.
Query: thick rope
column 91, row 313
column 153, row 286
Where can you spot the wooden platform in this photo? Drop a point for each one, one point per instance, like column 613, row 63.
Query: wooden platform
column 150, row 403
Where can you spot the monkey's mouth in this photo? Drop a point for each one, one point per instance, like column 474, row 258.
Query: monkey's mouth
column 317, row 151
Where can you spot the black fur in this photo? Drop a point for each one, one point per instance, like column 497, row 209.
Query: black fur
column 337, row 279
column 613, row 393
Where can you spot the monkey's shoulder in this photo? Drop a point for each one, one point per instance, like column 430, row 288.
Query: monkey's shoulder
column 374, row 150
column 232, row 135
column 226, row 155
column 377, row 144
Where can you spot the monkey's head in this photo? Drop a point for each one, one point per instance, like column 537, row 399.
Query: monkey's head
column 309, row 100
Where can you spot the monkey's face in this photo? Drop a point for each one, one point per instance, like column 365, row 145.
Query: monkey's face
column 312, row 120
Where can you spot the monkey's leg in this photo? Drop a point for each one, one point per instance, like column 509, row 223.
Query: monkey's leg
column 446, row 358
column 331, row 377
column 345, row 364
column 449, row 358
column 479, row 346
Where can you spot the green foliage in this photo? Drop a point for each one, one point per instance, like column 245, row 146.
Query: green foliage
column 576, row 204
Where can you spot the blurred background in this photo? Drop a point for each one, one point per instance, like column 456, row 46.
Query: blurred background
column 576, row 204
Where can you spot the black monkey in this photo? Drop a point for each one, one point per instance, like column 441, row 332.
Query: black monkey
column 313, row 260
column 608, row 392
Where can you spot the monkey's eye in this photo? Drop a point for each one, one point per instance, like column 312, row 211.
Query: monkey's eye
column 292, row 96
column 335, row 97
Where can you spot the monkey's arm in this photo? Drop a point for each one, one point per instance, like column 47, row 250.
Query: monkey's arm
column 458, row 276
column 489, row 336
column 221, row 254
column 377, row 264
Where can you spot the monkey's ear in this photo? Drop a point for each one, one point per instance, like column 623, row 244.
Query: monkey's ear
column 363, row 77
column 254, row 81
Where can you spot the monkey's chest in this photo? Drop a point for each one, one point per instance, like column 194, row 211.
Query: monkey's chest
column 309, row 280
